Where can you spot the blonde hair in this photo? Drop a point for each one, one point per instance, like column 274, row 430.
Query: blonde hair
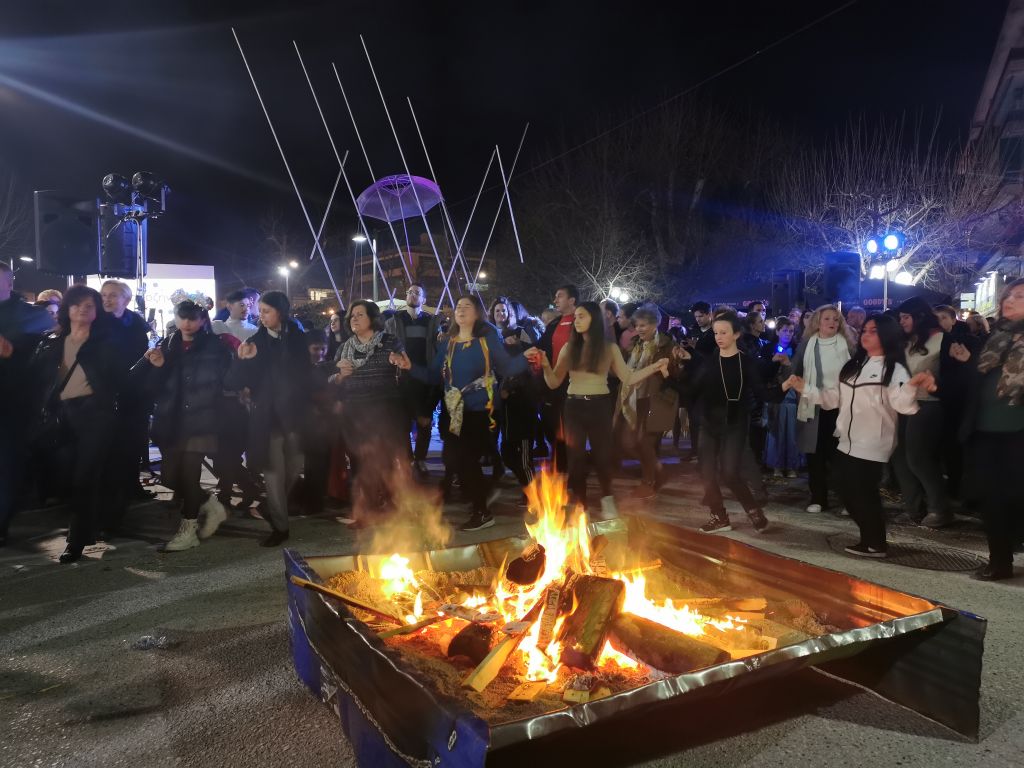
column 50, row 294
column 126, row 290
column 815, row 322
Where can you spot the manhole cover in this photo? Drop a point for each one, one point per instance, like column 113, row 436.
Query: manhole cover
column 919, row 554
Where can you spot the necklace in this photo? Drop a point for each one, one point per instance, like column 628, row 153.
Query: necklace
column 725, row 389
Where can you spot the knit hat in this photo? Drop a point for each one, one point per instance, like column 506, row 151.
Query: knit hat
column 915, row 306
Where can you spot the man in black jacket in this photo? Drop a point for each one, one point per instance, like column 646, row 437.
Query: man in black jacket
column 21, row 328
column 417, row 331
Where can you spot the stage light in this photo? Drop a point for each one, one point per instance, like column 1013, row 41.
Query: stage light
column 118, row 188
column 877, row 272
column 148, row 185
column 358, row 238
column 904, row 278
column 892, row 265
column 871, row 246
column 892, row 242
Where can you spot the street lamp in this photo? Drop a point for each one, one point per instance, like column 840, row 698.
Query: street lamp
column 892, row 242
column 284, row 271
column 26, row 259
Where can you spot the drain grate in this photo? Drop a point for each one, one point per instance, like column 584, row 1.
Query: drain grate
column 919, row 554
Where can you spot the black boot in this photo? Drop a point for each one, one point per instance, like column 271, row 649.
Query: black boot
column 70, row 554
column 276, row 538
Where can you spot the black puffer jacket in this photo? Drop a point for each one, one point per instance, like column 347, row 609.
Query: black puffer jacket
column 98, row 358
column 188, row 388
column 279, row 379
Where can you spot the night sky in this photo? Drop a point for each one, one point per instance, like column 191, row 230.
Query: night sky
column 88, row 88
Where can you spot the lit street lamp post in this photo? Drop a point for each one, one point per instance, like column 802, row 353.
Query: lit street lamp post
column 893, row 243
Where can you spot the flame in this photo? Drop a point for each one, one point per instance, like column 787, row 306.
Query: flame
column 563, row 534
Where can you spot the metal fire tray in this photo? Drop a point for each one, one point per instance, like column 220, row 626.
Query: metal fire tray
column 912, row 651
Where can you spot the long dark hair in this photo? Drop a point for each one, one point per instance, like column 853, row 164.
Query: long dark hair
column 480, row 327
column 586, row 351
column 509, row 308
column 890, row 334
column 74, row 296
column 924, row 323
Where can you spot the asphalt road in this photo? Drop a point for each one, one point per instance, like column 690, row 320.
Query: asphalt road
column 76, row 691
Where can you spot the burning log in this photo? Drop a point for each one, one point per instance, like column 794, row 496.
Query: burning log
column 528, row 567
column 598, row 565
column 660, row 647
column 596, row 602
column 473, row 642
column 489, row 668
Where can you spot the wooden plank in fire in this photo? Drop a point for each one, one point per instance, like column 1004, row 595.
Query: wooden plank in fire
column 346, row 599
column 489, row 668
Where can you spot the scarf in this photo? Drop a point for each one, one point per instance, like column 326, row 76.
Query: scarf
column 1002, row 351
column 642, row 356
column 453, row 396
column 828, row 356
column 353, row 345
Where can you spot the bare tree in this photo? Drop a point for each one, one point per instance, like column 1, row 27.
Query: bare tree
column 879, row 177
column 14, row 219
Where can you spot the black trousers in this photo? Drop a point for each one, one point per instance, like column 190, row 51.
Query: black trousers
column 122, row 469
column 722, row 450
column 819, row 462
column 375, row 441
column 993, row 467
column 181, row 472
column 232, row 434
column 419, row 400
column 465, row 451
column 554, row 430
column 13, row 464
column 858, row 482
column 85, row 444
column 589, row 420
column 518, row 419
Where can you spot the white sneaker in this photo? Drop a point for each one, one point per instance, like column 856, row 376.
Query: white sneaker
column 214, row 514
column 185, row 538
column 609, row 511
column 814, row 508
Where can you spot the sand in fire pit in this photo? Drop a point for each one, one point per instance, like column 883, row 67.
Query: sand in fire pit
column 425, row 652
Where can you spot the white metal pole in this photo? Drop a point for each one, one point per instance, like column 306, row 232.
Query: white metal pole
column 497, row 214
column 366, row 231
column 405, row 164
column 284, row 159
column 369, row 165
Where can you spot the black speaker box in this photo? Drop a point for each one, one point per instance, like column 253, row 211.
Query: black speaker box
column 119, row 242
column 787, row 290
column 66, row 234
column 842, row 277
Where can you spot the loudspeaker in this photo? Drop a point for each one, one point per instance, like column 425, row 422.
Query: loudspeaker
column 119, row 241
column 842, row 277
column 66, row 234
column 787, row 290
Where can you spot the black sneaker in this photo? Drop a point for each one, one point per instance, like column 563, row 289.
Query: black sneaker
column 478, row 522
column 716, row 524
column 758, row 520
column 863, row 550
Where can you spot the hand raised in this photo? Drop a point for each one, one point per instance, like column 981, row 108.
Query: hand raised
column 156, row 357
column 246, row 351
column 959, row 352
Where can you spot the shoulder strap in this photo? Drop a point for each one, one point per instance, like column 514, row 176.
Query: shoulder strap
column 57, row 389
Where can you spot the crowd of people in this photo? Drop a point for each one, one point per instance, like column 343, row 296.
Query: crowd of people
column 911, row 401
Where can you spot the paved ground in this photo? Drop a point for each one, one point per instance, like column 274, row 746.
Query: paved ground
column 75, row 691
